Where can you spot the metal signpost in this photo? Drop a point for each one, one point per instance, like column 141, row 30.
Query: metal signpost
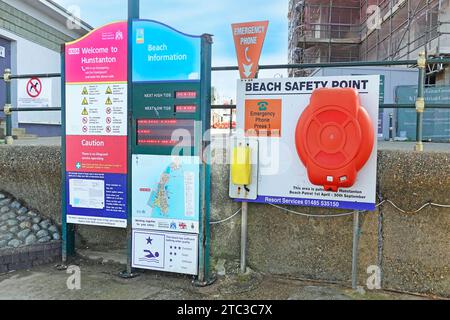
column 170, row 166
column 136, row 110
column 249, row 40
column 335, row 118
column 271, row 110
column 94, row 117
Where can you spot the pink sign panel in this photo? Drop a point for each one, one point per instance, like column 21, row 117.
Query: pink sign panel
column 96, row 98
column 105, row 154
column 100, row 56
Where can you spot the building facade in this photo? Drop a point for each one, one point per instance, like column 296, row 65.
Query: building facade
column 368, row 30
column 379, row 30
column 31, row 35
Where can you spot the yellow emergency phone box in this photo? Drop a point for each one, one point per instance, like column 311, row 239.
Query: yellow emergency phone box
column 241, row 168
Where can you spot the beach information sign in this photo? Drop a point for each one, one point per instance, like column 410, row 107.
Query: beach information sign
column 169, row 114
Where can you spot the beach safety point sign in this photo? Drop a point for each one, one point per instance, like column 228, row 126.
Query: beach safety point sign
column 317, row 139
column 96, row 76
column 249, row 40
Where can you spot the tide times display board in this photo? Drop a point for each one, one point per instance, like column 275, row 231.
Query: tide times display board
column 170, row 90
column 96, row 79
column 317, row 145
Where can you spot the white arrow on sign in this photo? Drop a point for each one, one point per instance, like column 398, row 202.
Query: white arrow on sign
column 247, row 69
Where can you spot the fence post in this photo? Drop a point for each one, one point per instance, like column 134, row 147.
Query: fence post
column 391, row 127
column 420, row 102
column 7, row 109
column 355, row 251
column 244, row 232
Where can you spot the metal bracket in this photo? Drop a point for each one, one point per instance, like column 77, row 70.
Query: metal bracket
column 61, row 267
column 126, row 275
column 202, row 284
column 7, row 75
column 422, row 60
column 420, row 105
column 419, row 147
column 7, row 109
column 208, row 37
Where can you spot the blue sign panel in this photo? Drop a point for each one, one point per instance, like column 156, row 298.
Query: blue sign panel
column 96, row 199
column 161, row 53
column 436, row 121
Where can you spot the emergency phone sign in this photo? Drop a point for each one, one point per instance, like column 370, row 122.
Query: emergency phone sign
column 317, row 139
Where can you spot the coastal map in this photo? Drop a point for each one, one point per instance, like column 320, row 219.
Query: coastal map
column 165, row 193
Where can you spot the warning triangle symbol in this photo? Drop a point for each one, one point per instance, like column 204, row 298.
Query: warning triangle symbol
column 108, row 90
column 108, row 101
column 85, row 102
column 85, row 112
column 85, row 92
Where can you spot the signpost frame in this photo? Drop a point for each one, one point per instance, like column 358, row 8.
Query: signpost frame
column 68, row 230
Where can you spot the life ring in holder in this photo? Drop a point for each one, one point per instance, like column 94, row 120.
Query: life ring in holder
column 334, row 138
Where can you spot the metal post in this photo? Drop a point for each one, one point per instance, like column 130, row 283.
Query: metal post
column 133, row 13
column 391, row 127
column 380, row 244
column 205, row 277
column 133, row 9
column 231, row 119
column 68, row 230
column 244, row 225
column 355, row 255
column 420, row 102
column 7, row 109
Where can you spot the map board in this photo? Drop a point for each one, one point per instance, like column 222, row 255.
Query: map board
column 166, row 193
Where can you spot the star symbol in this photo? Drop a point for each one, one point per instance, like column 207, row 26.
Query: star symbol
column 149, row 240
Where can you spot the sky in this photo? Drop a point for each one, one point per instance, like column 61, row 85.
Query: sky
column 205, row 16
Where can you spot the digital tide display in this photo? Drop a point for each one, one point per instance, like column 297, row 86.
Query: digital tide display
column 165, row 132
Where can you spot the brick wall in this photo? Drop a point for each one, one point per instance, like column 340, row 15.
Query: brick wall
column 31, row 256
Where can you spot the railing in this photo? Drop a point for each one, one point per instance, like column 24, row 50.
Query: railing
column 421, row 64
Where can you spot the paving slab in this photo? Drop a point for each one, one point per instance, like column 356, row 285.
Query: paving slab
column 100, row 281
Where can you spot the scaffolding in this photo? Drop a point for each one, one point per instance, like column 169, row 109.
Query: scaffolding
column 366, row 30
column 404, row 28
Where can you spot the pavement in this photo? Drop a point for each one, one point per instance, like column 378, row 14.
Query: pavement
column 409, row 146
column 99, row 280
column 47, row 141
column 382, row 145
